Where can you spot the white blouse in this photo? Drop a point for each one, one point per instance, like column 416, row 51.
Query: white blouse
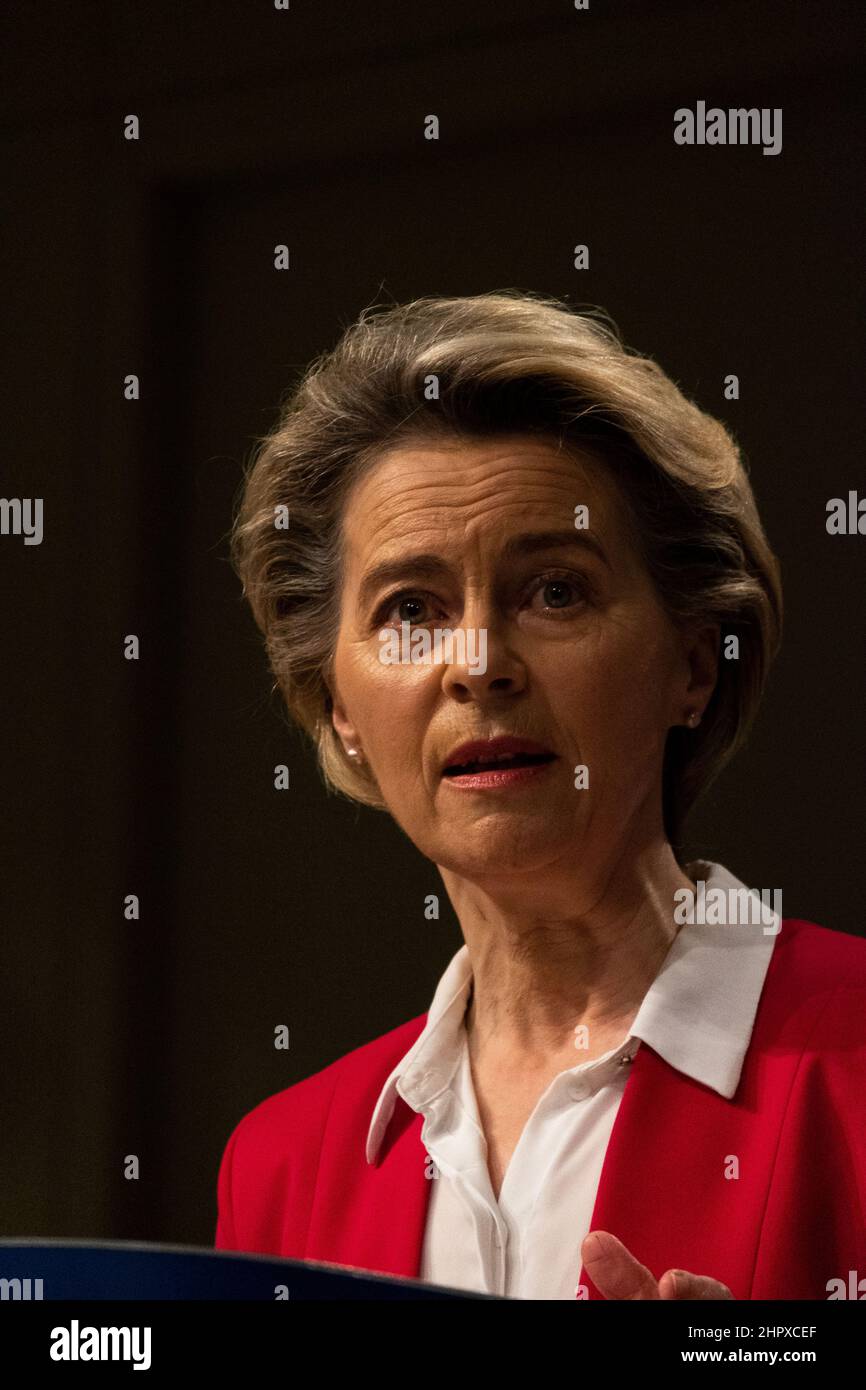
column 698, row 1015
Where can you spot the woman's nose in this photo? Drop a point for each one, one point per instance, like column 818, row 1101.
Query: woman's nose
column 482, row 661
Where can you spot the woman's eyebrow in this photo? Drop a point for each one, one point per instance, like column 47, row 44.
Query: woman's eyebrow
column 531, row 542
column 426, row 564
column 429, row 565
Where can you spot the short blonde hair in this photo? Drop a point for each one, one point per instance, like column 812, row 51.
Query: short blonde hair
column 507, row 363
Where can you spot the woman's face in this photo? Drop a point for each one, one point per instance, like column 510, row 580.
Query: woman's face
column 580, row 656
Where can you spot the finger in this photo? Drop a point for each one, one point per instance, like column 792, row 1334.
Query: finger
column 680, row 1284
column 614, row 1270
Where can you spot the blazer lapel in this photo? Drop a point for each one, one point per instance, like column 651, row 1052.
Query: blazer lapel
column 662, row 1172
column 661, row 1190
column 372, row 1216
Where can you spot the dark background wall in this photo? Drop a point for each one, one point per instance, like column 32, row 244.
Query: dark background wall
column 156, row 257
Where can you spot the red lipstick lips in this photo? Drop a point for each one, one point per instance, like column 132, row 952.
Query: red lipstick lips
column 496, row 761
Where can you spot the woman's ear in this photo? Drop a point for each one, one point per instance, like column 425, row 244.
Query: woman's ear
column 345, row 729
column 701, row 651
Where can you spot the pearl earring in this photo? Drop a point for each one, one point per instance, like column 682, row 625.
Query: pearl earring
column 693, row 718
column 353, row 753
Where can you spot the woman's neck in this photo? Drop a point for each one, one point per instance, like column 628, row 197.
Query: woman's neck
column 548, row 981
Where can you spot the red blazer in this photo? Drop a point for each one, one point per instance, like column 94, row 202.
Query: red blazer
column 294, row 1179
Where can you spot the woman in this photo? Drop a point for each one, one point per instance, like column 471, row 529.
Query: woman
column 524, row 603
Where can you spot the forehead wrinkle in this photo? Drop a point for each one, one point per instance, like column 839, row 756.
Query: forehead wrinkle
column 414, row 492
column 421, row 476
column 457, row 459
column 446, row 496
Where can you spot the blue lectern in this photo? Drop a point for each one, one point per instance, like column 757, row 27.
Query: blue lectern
column 34, row 1270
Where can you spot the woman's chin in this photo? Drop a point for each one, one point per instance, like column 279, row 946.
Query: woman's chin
column 483, row 851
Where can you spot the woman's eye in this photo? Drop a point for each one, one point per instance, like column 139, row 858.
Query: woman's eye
column 559, row 593
column 403, row 608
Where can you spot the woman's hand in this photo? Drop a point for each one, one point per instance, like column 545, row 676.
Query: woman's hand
column 617, row 1274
